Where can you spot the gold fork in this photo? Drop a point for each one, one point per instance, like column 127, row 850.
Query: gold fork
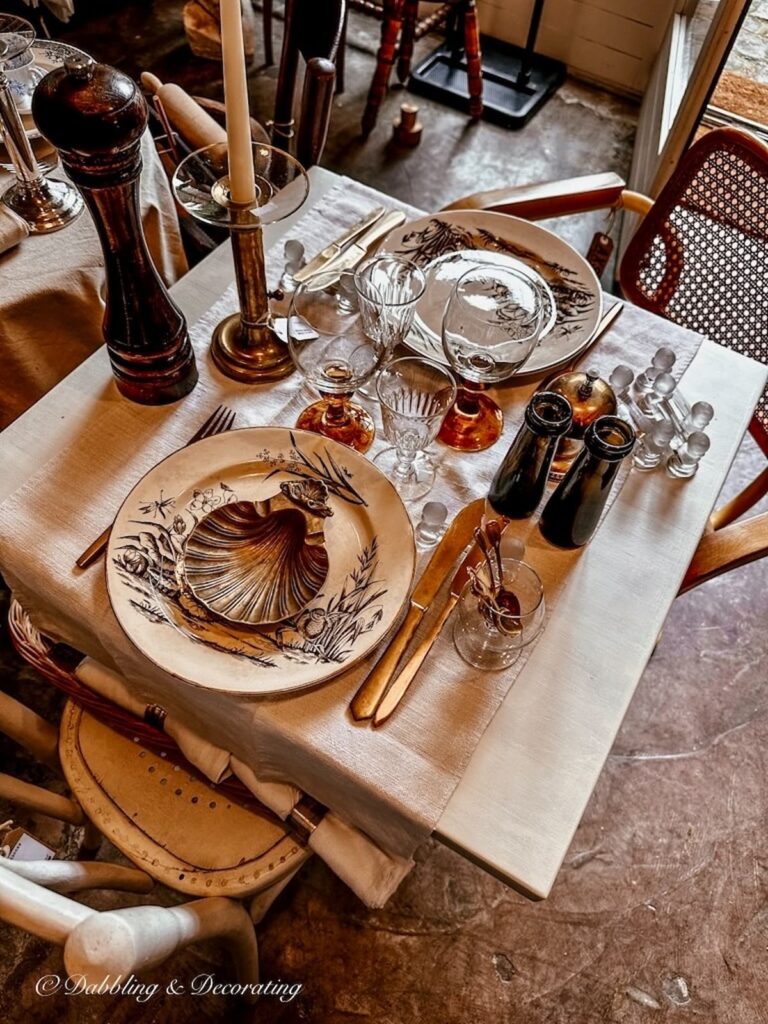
column 220, row 420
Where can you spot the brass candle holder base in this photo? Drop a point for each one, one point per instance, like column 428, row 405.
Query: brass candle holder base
column 251, row 354
column 245, row 346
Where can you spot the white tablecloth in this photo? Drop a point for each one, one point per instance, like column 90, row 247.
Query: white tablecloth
column 392, row 783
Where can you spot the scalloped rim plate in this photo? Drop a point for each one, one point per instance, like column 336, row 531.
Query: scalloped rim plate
column 571, row 280
column 370, row 546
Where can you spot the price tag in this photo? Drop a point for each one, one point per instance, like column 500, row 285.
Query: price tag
column 18, row 844
column 300, row 329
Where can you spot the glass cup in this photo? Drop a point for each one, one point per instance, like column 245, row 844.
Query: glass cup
column 415, row 395
column 333, row 349
column 388, row 289
column 492, row 323
column 491, row 633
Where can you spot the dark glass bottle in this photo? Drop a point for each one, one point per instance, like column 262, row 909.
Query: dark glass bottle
column 572, row 513
column 520, row 480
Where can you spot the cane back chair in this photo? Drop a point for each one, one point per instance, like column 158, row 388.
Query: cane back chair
column 699, row 256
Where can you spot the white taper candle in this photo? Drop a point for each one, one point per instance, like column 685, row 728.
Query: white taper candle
column 236, row 102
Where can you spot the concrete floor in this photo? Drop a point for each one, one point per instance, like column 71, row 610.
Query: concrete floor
column 659, row 910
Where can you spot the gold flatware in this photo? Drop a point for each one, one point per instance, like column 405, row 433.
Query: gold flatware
column 358, row 250
column 220, row 420
column 456, row 538
column 398, row 689
column 330, row 252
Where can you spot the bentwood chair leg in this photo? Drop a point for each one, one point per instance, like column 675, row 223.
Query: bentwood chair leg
column 407, row 37
column 390, row 30
column 740, row 504
column 474, row 60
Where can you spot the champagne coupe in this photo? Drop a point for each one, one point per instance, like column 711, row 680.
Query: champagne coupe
column 337, row 350
column 415, row 394
column 492, row 323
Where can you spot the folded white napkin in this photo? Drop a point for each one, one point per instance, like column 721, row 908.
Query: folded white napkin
column 12, row 229
column 371, row 874
column 211, row 761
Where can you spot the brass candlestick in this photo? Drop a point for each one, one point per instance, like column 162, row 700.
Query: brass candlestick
column 245, row 346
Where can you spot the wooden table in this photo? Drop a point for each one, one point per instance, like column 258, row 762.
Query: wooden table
column 516, row 809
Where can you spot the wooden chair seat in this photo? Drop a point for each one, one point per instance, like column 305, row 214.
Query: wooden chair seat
column 168, row 822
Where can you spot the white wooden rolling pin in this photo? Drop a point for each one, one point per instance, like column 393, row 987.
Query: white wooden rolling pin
column 194, row 124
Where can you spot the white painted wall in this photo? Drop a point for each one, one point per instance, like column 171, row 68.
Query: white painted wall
column 612, row 42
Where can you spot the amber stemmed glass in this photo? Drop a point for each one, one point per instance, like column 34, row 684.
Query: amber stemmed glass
column 337, row 350
column 492, row 323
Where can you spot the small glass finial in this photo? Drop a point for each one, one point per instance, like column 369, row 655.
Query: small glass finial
column 432, row 524
column 653, row 446
column 664, row 358
column 685, row 461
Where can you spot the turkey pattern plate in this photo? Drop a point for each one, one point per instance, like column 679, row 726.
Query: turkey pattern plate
column 569, row 279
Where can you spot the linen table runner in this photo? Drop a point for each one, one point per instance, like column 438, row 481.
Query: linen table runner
column 393, row 783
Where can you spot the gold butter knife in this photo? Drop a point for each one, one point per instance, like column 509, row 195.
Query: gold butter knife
column 456, row 538
column 330, row 252
column 397, row 690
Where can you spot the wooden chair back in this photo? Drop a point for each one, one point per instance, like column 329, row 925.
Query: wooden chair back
column 313, row 31
column 700, row 255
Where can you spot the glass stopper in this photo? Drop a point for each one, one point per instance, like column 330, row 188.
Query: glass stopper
column 699, row 417
column 432, row 525
column 697, row 445
column 664, row 359
column 621, row 378
column 664, row 385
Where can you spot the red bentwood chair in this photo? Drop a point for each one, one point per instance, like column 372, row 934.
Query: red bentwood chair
column 698, row 257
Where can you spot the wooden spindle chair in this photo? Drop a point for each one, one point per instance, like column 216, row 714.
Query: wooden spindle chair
column 399, row 30
column 169, row 821
column 108, row 944
column 697, row 258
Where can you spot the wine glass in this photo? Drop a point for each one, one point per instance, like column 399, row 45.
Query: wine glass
column 331, row 347
column 492, row 323
column 415, row 395
column 388, row 288
column 493, row 626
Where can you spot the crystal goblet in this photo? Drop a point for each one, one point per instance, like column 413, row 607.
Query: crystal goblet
column 415, row 394
column 388, row 289
column 492, row 323
column 332, row 348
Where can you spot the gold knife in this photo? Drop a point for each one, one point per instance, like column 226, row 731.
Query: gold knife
column 456, row 538
column 358, row 250
column 319, row 262
column 397, row 690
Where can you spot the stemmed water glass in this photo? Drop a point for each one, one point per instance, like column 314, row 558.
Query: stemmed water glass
column 492, row 323
column 337, row 351
column 388, row 288
column 415, row 395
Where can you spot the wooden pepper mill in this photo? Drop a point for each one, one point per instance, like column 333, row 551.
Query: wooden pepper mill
column 95, row 116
